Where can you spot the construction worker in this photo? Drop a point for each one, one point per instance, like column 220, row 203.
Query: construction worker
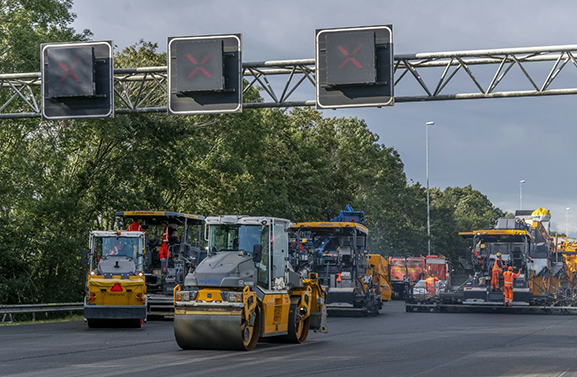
column 509, row 276
column 119, row 249
column 135, row 227
column 164, row 253
column 497, row 272
column 431, row 285
column 481, row 256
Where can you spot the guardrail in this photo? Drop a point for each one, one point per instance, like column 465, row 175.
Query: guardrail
column 9, row 310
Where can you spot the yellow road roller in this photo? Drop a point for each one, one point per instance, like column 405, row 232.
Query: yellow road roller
column 246, row 289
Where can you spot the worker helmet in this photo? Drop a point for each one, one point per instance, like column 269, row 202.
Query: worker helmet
column 498, row 255
column 510, row 268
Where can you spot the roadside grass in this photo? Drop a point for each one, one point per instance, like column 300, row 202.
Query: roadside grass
column 27, row 321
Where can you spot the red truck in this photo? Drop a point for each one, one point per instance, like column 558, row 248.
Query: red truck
column 406, row 272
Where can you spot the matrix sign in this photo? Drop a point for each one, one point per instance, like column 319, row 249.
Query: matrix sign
column 205, row 74
column 77, row 80
column 354, row 67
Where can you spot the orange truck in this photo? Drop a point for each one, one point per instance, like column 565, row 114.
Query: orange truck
column 407, row 271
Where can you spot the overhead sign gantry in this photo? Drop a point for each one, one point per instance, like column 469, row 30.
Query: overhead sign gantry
column 144, row 89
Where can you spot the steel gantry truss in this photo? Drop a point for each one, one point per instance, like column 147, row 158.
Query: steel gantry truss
column 425, row 76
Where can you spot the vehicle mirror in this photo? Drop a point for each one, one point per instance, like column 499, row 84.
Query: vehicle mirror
column 84, row 258
column 256, row 252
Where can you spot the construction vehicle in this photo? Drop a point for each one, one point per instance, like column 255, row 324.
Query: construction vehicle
column 246, row 289
column 184, row 245
column 407, row 271
column 524, row 244
column 357, row 282
column 115, row 287
column 566, row 254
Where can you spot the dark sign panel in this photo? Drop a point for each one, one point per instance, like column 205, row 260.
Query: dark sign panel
column 77, row 80
column 70, row 72
column 204, row 74
column 350, row 58
column 354, row 67
column 204, row 59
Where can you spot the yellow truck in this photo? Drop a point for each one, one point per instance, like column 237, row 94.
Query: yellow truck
column 115, row 285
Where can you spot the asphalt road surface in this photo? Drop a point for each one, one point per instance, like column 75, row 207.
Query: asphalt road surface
column 395, row 343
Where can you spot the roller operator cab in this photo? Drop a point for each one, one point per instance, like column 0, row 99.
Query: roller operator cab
column 115, row 287
column 245, row 289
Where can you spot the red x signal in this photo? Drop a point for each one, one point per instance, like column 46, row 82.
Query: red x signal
column 350, row 59
column 196, row 69
column 69, row 71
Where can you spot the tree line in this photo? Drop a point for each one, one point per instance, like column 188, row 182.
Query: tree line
column 60, row 179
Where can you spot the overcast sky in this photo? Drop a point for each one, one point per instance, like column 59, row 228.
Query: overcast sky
column 490, row 144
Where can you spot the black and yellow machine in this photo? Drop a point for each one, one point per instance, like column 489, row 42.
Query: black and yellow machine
column 357, row 282
column 246, row 289
column 115, row 288
column 173, row 247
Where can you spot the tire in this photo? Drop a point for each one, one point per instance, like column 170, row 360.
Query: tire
column 297, row 330
column 253, row 332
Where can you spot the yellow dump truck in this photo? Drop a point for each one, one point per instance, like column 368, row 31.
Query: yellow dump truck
column 245, row 289
column 115, row 286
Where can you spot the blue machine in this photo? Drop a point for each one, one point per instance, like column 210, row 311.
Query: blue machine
column 349, row 215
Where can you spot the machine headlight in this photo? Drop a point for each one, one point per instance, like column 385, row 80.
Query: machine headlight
column 186, row 295
column 183, row 296
column 231, row 296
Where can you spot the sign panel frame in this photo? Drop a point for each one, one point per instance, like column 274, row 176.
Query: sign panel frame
column 83, row 105
column 342, row 93
column 202, row 100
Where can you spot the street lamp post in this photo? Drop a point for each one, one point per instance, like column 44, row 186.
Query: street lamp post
column 521, row 193
column 428, row 202
column 567, row 221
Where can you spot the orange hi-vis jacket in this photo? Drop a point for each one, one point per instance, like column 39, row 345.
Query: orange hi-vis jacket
column 430, row 284
column 509, row 277
column 498, row 266
column 135, row 227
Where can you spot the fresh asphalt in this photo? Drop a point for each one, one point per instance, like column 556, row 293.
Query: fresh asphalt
column 395, row 343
